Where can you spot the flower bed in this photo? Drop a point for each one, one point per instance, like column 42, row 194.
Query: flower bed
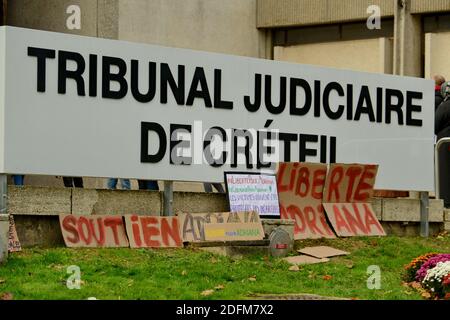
column 414, row 266
column 430, row 273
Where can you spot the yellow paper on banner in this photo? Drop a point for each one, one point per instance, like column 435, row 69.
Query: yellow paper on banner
column 218, row 233
column 233, row 231
column 192, row 224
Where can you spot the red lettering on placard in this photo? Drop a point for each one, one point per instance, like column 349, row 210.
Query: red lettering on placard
column 283, row 214
column 349, row 183
column 318, row 183
column 355, row 222
column 283, row 173
column 363, row 188
column 172, row 231
column 93, row 231
column 310, row 217
column 69, row 225
column 353, row 219
column 292, row 177
column 84, row 231
column 340, row 221
column 114, row 223
column 347, row 189
column 324, row 222
column 100, row 239
column 302, row 182
column 150, row 229
column 136, row 231
column 281, row 170
column 297, row 216
column 371, row 220
column 153, row 232
column 352, row 173
column 336, row 176
column 301, row 187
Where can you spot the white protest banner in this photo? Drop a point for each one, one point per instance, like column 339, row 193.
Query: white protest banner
column 81, row 106
column 253, row 192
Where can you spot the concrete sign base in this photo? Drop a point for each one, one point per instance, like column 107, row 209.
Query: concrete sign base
column 4, row 229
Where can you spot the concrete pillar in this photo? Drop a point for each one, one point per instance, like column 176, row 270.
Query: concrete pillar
column 408, row 62
column 407, row 59
column 4, row 230
column 386, row 51
column 266, row 44
column 108, row 19
column 407, row 40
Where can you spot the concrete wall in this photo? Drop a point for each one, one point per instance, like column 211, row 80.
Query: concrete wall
column 51, row 15
column 36, row 209
column 370, row 55
column 447, row 219
column 429, row 6
column 49, row 201
column 282, row 13
column 98, row 17
column 437, row 61
column 211, row 25
column 408, row 41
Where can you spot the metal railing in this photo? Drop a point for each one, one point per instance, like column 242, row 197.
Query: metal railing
column 436, row 164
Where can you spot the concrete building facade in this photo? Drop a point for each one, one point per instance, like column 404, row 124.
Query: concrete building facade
column 405, row 37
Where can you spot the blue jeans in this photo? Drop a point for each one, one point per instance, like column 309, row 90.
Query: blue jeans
column 148, row 185
column 18, row 179
column 112, row 183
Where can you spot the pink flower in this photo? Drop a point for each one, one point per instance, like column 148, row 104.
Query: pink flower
column 431, row 263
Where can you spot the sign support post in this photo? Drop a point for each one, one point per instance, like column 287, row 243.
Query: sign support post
column 424, row 208
column 4, row 219
column 3, row 193
column 168, row 198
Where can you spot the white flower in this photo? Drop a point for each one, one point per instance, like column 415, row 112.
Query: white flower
column 437, row 273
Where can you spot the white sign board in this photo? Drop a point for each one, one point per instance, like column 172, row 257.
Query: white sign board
column 80, row 106
column 253, row 192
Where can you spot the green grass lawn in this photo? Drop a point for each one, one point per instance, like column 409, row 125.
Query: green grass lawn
column 186, row 273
